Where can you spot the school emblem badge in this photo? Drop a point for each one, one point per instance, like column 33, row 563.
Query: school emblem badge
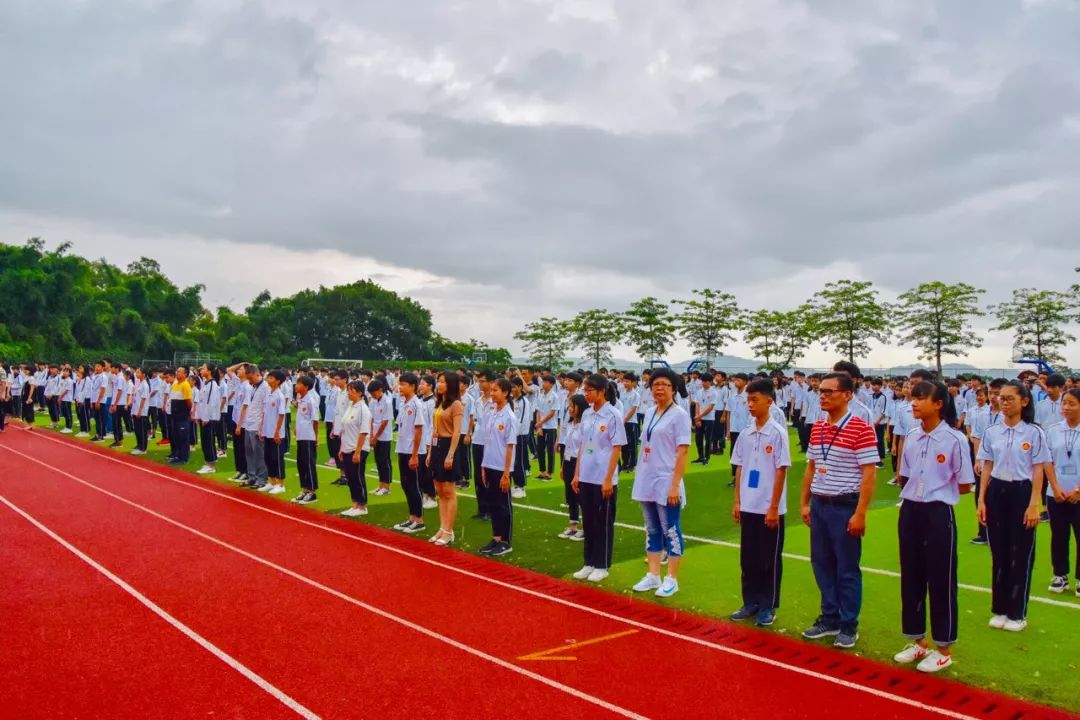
column 501, row 428
column 768, row 449
column 1026, row 446
column 941, row 459
column 603, row 428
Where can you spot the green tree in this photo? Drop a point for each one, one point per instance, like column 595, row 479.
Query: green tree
column 650, row 327
column 848, row 315
column 779, row 338
column 594, row 332
column 707, row 321
column 546, row 341
column 1037, row 319
column 936, row 319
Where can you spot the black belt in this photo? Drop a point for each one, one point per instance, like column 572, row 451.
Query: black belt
column 847, row 499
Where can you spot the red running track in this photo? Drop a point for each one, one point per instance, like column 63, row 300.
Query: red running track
column 341, row 619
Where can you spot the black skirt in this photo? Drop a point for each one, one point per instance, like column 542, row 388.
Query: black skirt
column 438, row 458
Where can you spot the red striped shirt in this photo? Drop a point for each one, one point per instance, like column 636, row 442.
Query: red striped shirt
column 839, row 452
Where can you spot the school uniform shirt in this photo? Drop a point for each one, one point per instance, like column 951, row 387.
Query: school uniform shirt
column 255, row 402
column 209, row 401
column 157, row 385
column 41, row 377
column 274, row 407
column 287, row 393
column 549, row 403
column 427, row 405
column 331, row 395
column 572, row 441
column 523, row 411
column 307, row 414
column 936, row 464
column 811, row 409
column 798, row 395
column 861, row 411
column 708, row 397
column 99, row 385
column 879, row 404
column 65, row 389
column 683, row 402
column 382, row 410
column 481, row 413
column 354, row 422
column 839, row 453
column 410, row 416
column 646, row 399
column 501, row 433
column 52, row 386
column 760, row 452
column 903, row 421
column 82, row 389
column 141, row 396
column 778, row 415
column 1048, row 412
column 662, row 434
column 233, row 389
column 739, row 419
column 977, row 420
column 602, row 432
column 631, row 399
column 1064, row 442
column 1015, row 450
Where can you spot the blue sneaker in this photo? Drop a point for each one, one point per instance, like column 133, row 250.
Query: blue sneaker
column 846, row 639
column 820, row 629
column 765, row 617
column 744, row 613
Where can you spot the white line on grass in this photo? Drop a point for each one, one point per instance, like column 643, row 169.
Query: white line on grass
column 157, row 610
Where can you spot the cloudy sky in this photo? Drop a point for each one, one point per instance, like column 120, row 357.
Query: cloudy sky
column 506, row 159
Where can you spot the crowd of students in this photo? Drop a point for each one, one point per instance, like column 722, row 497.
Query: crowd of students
column 1012, row 443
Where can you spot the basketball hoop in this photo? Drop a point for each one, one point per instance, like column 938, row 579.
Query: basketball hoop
column 1017, row 355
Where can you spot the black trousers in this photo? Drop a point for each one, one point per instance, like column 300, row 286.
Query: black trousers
column 206, row 439
column 305, row 465
column 520, row 455
column 354, row 473
column 157, row 421
column 978, row 485
column 702, row 438
column 84, row 411
column 1012, row 547
column 569, row 467
column 630, row 449
column 382, row 462
column 545, row 451
column 333, row 444
column 119, row 423
column 52, row 404
column 501, row 509
column 220, row 426
column 178, row 432
column 129, row 424
column 761, row 556
column 879, row 431
column 427, row 477
column 482, row 505
column 598, row 517
column 928, row 568
column 28, row 407
column 65, row 412
column 734, row 437
column 239, row 453
column 1064, row 522
column 719, row 430
column 142, row 431
column 461, row 458
column 804, row 436
column 100, row 413
column 410, row 483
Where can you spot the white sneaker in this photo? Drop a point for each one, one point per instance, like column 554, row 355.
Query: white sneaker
column 649, row 582
column 136, row 451
column 584, row 572
column 911, row 653
column 669, row 588
column 65, row 431
column 579, row 536
column 278, row 490
column 205, row 470
column 1015, row 625
column 265, row 488
column 350, row 512
column 933, row 662
column 330, row 463
column 221, row 453
column 82, row 434
column 517, row 492
column 430, row 503
column 597, row 575
column 381, row 491
column 998, row 621
column 565, row 534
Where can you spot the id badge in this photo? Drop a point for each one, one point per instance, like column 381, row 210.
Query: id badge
column 754, row 479
column 645, row 452
column 822, row 470
column 590, row 449
column 1069, row 469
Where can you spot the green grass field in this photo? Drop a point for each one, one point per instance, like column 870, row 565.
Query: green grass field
column 1041, row 664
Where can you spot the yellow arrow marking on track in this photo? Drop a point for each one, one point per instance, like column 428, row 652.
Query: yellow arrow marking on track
column 549, row 654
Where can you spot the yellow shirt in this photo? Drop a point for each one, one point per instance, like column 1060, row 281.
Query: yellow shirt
column 180, row 391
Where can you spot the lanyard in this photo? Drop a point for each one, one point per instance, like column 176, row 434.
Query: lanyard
column 1070, row 440
column 839, row 428
column 655, row 420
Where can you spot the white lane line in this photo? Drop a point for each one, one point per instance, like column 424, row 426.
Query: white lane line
column 329, row 590
column 217, row 652
column 899, row 699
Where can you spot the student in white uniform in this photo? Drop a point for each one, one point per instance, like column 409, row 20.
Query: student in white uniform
column 307, row 439
column 571, row 442
column 410, row 451
column 52, row 394
column 1048, row 410
column 523, row 414
column 658, row 482
column 272, row 434
column 140, row 412
column 1064, row 475
column 426, row 392
column 208, row 418
column 121, row 405
column 353, row 426
column 1013, row 455
column 547, row 425
column 935, row 470
column 595, row 479
column 631, row 401
column 705, row 419
column 64, row 397
column 500, row 442
column 737, row 415
column 382, row 417
column 82, row 400
column 762, row 457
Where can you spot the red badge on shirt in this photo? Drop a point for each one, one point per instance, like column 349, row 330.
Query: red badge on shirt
column 768, row 449
column 1026, row 446
column 501, row 428
column 941, row 459
column 603, row 428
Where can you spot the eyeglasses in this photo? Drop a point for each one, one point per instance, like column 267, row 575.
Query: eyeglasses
column 825, row 392
column 661, row 385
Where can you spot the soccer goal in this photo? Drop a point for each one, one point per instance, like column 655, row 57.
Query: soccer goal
column 336, row 363
column 195, row 359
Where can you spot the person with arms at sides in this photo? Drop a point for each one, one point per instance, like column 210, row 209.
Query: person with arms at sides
column 763, row 457
column 5, row 396
column 338, row 381
column 353, row 426
column 307, row 439
column 180, row 402
column 251, row 420
column 64, row 397
column 221, row 415
column 51, row 394
column 443, row 459
column 82, row 400
column 631, row 400
column 410, row 451
column 1064, row 476
column 272, row 433
column 1013, row 455
column 477, row 436
column 208, row 417
column 811, row 410
column 737, row 415
column 859, row 405
column 382, row 433
column 836, row 491
column 1047, row 413
column 935, row 470
column 159, row 401
column 461, row 457
column 240, row 394
column 658, row 482
column 879, row 407
column 595, row 480
column 26, row 406
column 425, row 391
column 705, row 419
column 523, row 415
column 547, row 425
column 329, row 392
column 571, row 442
column 500, row 441
column 140, row 411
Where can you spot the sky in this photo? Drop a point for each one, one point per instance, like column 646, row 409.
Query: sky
column 499, row 161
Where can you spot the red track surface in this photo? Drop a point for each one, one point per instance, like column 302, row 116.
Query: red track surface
column 349, row 620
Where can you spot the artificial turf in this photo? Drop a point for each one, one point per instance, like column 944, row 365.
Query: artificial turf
column 1040, row 664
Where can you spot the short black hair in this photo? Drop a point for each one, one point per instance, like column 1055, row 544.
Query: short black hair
column 846, row 366
column 762, row 387
column 409, row 379
column 845, row 382
column 1055, row 380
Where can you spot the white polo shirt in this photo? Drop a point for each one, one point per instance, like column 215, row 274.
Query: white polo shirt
column 936, row 464
column 1015, row 450
column 354, row 422
column 307, row 414
column 382, row 410
column 141, row 398
column 501, row 433
column 1064, row 442
column 739, row 418
column 273, row 408
column 759, row 453
column 602, row 433
column 410, row 416
column 662, row 433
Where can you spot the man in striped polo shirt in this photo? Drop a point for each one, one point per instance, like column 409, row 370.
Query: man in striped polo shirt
column 836, row 491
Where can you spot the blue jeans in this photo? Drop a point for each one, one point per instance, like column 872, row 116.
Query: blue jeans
column 108, row 416
column 834, row 556
column 663, row 531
